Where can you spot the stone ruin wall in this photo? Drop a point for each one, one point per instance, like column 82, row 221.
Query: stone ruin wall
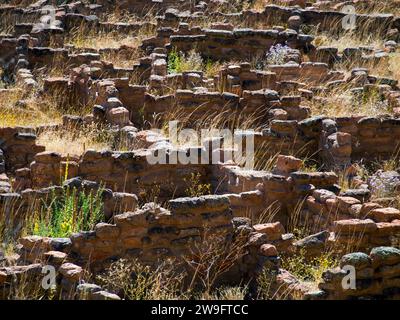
column 123, row 171
column 376, row 271
column 152, row 232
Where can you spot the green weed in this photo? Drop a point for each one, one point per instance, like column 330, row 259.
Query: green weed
column 71, row 212
column 194, row 186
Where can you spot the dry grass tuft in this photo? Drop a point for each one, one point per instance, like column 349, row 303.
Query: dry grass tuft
column 17, row 109
column 342, row 102
column 93, row 39
column 348, row 40
column 75, row 141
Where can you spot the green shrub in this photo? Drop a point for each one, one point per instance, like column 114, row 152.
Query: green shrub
column 174, row 62
column 179, row 62
column 308, row 269
column 71, row 212
column 194, row 186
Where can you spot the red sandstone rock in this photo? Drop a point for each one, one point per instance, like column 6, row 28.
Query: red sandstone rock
column 384, row 214
column 343, row 138
column 106, row 231
column 315, row 206
column 71, row 271
column 119, row 116
column 354, row 226
column 388, row 228
column 35, row 243
column 55, row 257
column 273, row 231
column 367, row 207
column 287, row 164
column 355, row 210
column 268, row 250
column 345, row 203
column 48, row 157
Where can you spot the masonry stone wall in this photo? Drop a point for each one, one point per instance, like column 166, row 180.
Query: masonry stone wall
column 18, row 147
column 237, row 44
column 376, row 273
column 152, row 234
column 147, row 212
